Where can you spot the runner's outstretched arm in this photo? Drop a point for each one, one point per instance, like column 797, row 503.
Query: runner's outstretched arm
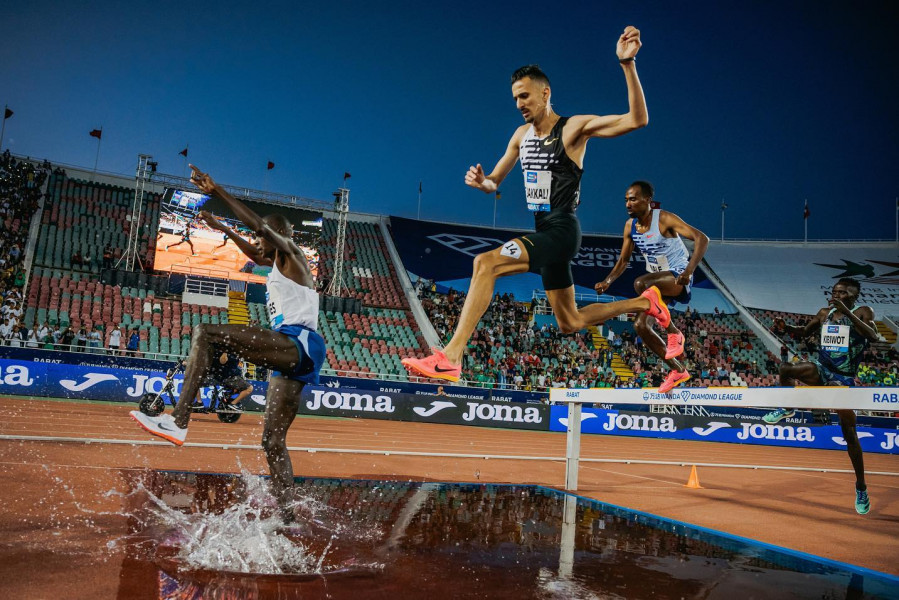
column 281, row 241
column 862, row 319
column 627, row 248
column 488, row 184
column 669, row 221
column 251, row 251
column 208, row 186
column 637, row 116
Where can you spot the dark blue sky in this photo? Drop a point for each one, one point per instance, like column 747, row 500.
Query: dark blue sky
column 762, row 103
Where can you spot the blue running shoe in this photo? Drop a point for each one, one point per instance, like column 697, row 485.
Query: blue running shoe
column 862, row 502
column 776, row 416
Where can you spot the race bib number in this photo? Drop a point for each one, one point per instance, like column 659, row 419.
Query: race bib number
column 537, row 188
column 511, row 249
column 835, row 338
column 273, row 303
column 657, row 264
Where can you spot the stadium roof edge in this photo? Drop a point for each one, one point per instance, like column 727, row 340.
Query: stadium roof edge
column 158, row 181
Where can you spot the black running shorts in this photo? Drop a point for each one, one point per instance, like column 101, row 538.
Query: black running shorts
column 552, row 247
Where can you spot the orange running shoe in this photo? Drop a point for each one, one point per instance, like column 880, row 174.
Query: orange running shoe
column 657, row 308
column 436, row 366
column 675, row 345
column 674, row 379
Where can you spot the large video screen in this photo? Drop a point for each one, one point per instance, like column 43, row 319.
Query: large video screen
column 186, row 244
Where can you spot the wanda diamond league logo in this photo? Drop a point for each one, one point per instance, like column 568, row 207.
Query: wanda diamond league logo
column 866, row 271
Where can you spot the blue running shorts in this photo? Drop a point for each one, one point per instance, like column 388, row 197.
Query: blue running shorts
column 311, row 347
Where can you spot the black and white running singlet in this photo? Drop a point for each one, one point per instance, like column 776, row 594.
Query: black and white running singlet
column 552, row 181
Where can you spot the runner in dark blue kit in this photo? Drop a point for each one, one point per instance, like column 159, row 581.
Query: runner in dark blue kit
column 185, row 238
column 292, row 347
column 551, row 150
column 845, row 331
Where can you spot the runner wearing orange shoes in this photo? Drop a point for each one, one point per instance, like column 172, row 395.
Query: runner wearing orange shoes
column 657, row 233
column 551, row 149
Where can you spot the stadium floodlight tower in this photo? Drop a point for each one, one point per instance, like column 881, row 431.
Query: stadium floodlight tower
column 145, row 168
column 342, row 208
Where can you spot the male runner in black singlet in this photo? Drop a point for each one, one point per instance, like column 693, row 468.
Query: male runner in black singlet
column 551, row 150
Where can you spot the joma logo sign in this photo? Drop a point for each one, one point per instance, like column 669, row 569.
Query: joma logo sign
column 507, row 413
column 639, row 423
column 350, row 401
column 775, row 432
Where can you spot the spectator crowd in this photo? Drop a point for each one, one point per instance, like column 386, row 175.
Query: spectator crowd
column 20, row 196
column 508, row 349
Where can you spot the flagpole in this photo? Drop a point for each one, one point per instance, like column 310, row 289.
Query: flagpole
column 723, row 208
column 186, row 152
column 97, row 159
column 494, row 209
column 419, row 200
column 805, row 221
column 3, row 129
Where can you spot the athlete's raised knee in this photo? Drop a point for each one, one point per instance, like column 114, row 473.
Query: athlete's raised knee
column 567, row 326
column 486, row 263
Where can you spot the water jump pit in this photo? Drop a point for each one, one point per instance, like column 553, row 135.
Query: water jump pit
column 196, row 535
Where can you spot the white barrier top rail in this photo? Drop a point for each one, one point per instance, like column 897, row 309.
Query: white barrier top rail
column 825, row 397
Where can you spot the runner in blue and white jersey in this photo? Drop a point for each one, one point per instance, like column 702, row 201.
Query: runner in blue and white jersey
column 292, row 347
column 657, row 233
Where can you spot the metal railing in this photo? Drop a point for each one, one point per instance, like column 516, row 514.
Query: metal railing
column 206, row 287
column 201, row 271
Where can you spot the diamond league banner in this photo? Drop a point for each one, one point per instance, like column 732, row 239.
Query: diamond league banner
column 443, row 253
column 735, row 431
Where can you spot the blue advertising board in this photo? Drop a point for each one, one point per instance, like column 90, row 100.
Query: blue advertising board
column 53, row 380
column 712, row 429
column 86, row 359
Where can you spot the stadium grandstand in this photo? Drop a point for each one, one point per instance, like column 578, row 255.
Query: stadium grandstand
column 67, row 288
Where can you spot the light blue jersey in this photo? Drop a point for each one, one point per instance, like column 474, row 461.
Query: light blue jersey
column 661, row 253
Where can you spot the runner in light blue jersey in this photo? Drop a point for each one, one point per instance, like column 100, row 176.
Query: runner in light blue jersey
column 669, row 265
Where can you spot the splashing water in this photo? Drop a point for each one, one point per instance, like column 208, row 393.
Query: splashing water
column 248, row 536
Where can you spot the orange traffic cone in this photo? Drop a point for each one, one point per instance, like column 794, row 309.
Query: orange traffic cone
column 693, row 482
